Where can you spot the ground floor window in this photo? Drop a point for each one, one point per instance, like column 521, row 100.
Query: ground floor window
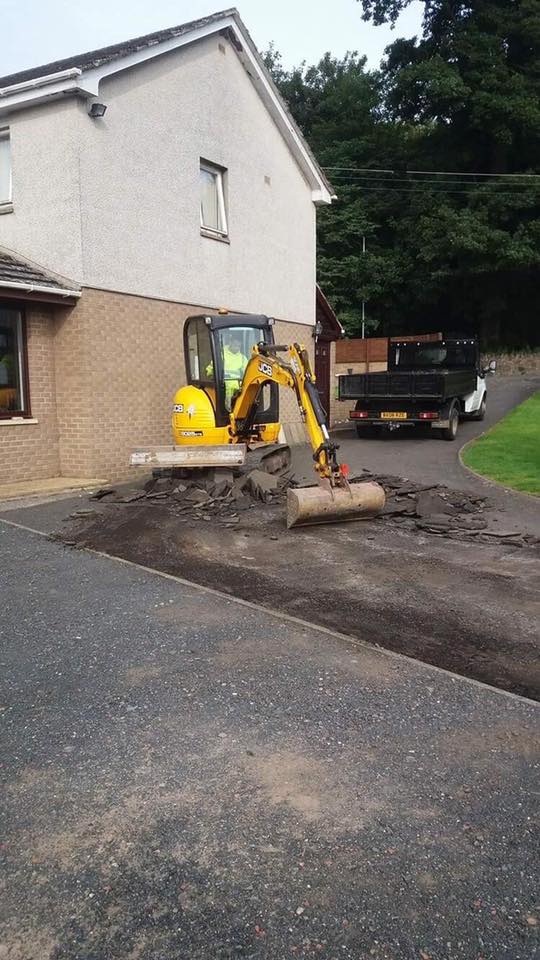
column 14, row 401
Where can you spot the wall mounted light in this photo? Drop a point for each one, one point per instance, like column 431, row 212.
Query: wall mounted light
column 97, row 110
column 317, row 330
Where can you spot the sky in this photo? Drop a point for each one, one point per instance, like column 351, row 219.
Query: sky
column 39, row 31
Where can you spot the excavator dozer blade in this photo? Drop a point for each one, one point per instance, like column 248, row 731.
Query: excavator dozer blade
column 357, row 501
column 222, row 455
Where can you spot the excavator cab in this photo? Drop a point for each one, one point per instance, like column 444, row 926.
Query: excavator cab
column 217, row 349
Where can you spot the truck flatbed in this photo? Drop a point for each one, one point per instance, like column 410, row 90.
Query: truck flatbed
column 421, row 384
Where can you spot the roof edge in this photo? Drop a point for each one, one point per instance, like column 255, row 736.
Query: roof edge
column 62, row 282
column 113, row 50
column 326, row 306
column 325, row 193
column 85, row 82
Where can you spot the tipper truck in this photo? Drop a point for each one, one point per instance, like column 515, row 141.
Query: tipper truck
column 430, row 384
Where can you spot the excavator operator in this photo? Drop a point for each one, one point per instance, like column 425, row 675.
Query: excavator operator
column 234, row 361
column 234, row 365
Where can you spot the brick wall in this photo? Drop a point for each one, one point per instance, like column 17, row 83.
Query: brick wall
column 288, row 407
column 102, row 377
column 118, row 392
column 73, row 397
column 29, row 451
column 119, row 361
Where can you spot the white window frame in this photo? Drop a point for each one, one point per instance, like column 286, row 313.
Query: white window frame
column 5, row 136
column 20, row 358
column 219, row 174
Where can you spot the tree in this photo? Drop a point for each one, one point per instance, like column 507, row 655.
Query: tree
column 458, row 251
column 336, row 104
column 473, row 76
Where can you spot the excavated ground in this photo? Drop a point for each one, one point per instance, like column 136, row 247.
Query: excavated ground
column 437, row 578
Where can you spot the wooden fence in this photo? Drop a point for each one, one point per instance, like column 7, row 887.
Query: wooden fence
column 373, row 349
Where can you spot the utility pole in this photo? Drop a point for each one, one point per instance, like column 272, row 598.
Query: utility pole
column 363, row 301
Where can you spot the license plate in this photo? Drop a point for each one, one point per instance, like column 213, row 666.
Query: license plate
column 393, row 416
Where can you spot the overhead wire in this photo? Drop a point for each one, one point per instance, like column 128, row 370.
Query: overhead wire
column 441, row 173
column 434, row 190
column 430, row 187
column 364, row 177
column 468, row 187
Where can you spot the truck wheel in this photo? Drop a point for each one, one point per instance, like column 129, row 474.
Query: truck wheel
column 481, row 412
column 450, row 432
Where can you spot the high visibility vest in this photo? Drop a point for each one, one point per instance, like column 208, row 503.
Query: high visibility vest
column 234, row 364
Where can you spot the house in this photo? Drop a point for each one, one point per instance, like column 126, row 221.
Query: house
column 139, row 184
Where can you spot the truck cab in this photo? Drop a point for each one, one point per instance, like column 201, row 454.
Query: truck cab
column 428, row 383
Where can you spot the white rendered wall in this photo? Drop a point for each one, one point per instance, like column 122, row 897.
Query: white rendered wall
column 114, row 203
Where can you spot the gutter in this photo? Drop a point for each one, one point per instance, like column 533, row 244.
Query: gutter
column 40, row 81
column 39, row 288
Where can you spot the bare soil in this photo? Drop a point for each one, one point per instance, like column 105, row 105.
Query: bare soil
column 404, row 582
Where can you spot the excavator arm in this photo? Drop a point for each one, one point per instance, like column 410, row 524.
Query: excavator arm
column 295, row 372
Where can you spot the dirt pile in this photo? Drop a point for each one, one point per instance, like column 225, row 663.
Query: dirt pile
column 436, row 509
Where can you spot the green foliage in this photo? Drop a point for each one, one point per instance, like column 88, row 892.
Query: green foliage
column 510, row 453
column 474, row 74
column 452, row 252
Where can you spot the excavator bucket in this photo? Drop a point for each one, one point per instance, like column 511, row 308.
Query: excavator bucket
column 355, row 501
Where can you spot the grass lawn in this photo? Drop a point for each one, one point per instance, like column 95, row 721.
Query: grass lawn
column 510, row 451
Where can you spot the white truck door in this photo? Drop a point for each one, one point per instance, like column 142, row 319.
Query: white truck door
column 472, row 401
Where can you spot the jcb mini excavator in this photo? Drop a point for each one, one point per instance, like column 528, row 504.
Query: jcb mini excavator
column 229, row 413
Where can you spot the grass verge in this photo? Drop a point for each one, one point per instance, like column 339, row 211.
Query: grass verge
column 510, row 452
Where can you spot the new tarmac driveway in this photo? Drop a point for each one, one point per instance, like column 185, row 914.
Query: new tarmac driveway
column 187, row 776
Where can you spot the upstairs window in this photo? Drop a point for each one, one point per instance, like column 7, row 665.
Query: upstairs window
column 5, row 166
column 213, row 213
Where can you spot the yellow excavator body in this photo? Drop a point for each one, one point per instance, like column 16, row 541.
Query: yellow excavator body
column 194, row 421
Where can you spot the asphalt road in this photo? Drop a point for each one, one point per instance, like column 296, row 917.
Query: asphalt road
column 189, row 777
column 427, row 458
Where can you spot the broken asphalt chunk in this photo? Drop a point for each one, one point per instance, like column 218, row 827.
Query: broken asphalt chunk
column 428, row 503
column 197, row 496
column 262, row 484
column 100, row 494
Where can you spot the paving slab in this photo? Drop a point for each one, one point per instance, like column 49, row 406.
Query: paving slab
column 23, row 489
column 189, row 777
